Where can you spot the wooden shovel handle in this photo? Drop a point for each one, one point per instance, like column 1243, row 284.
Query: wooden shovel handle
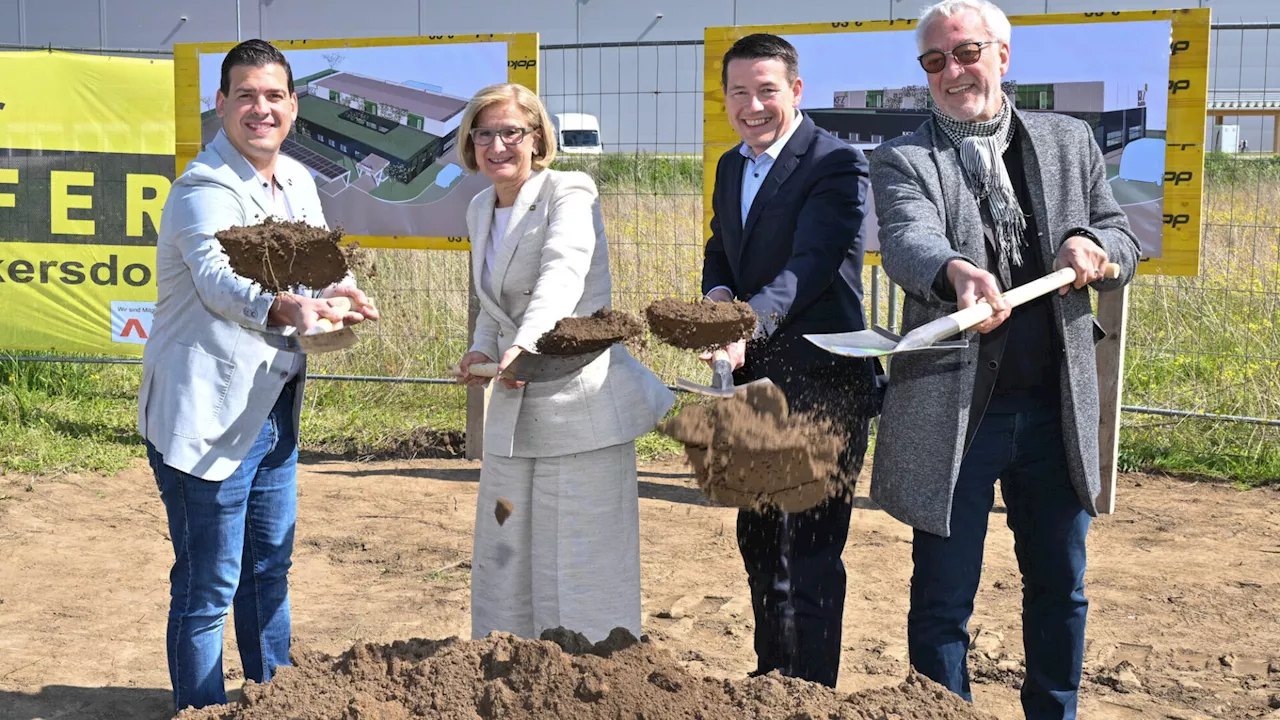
column 478, row 369
column 975, row 314
column 342, row 304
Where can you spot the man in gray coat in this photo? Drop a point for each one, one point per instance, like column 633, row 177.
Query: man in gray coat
column 979, row 199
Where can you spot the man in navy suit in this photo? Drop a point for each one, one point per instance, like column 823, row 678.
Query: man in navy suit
column 787, row 237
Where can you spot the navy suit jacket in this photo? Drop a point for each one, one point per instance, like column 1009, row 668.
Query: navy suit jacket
column 798, row 262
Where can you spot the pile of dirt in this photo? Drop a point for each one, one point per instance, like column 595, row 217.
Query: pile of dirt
column 748, row 451
column 599, row 330
column 700, row 325
column 280, row 255
column 561, row 676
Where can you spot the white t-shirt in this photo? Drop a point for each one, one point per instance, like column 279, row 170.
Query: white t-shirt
column 498, row 228
column 281, row 209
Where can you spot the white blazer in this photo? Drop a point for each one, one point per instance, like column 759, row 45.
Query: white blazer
column 553, row 262
column 209, row 375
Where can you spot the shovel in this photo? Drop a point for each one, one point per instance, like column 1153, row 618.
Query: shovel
column 532, row 367
column 878, row 342
column 322, row 338
column 721, row 379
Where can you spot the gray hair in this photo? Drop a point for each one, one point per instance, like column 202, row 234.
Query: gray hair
column 993, row 18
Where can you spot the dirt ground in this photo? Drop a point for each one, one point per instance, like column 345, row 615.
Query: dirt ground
column 1184, row 583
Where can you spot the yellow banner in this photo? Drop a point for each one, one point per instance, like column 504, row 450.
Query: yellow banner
column 86, row 160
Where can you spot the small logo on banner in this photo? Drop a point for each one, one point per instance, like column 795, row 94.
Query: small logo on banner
column 131, row 321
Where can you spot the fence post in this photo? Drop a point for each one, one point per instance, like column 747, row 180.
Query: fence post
column 475, row 395
column 1113, row 312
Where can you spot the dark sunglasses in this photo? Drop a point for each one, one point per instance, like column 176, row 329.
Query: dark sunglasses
column 969, row 53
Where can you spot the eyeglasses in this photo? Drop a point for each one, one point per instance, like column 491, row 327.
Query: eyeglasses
column 509, row 135
column 935, row 61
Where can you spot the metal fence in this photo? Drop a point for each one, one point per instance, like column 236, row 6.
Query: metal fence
column 1203, row 353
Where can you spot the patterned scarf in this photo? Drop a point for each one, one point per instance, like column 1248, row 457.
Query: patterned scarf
column 982, row 146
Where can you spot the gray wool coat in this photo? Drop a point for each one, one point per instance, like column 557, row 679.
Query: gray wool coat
column 928, row 216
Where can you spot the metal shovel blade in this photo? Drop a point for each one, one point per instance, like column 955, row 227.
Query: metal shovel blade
column 532, row 367
column 327, row 341
column 876, row 342
column 721, row 379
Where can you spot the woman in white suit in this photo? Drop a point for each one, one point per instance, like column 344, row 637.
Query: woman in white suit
column 563, row 452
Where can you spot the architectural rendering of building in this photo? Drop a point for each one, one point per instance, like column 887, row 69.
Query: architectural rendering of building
column 391, row 130
column 867, row 118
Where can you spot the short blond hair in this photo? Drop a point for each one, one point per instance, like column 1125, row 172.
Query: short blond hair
column 544, row 149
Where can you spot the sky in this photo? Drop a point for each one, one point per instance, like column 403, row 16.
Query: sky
column 459, row 69
column 1123, row 55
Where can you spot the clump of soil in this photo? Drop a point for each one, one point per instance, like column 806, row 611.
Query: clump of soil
column 748, row 451
column 599, row 330
column 280, row 255
column 502, row 510
column 700, row 325
column 503, row 677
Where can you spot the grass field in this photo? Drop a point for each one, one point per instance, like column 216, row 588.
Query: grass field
column 1209, row 344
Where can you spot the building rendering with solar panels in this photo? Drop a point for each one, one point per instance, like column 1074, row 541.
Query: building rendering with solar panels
column 389, row 129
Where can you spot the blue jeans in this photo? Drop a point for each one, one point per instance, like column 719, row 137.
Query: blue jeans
column 1025, row 450
column 232, row 542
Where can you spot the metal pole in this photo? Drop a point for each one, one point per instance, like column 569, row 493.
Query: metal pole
column 102, row 23
column 238, row 21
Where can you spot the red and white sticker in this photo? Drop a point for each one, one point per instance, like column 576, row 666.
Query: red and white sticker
column 131, row 321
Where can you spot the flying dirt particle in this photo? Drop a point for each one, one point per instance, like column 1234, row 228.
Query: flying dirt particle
column 502, row 510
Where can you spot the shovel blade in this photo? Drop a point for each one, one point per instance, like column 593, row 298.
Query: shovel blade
column 876, row 342
column 861, row 344
column 532, row 367
column 324, row 342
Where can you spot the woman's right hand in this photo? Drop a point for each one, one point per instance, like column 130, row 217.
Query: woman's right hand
column 464, row 365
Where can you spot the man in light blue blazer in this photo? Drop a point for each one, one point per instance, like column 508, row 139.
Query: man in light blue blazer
column 219, row 401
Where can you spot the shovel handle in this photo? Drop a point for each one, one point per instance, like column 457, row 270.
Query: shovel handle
column 342, row 304
column 478, row 369
column 975, row 314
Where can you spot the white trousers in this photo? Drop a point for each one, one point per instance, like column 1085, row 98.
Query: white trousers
column 569, row 554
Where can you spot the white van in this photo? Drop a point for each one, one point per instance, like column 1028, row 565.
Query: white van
column 577, row 133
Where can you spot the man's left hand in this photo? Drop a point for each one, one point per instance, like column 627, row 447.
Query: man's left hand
column 361, row 307
column 1083, row 255
column 737, row 353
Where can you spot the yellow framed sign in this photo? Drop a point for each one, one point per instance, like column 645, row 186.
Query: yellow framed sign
column 1141, row 82
column 377, row 125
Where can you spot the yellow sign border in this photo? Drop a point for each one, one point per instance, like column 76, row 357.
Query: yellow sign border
column 1184, row 151
column 186, row 96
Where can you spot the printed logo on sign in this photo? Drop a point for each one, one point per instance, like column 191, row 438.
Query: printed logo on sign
column 131, row 321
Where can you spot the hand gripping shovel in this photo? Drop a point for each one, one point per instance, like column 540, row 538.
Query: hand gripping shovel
column 322, row 338
column 878, row 342
column 532, row 367
column 721, row 379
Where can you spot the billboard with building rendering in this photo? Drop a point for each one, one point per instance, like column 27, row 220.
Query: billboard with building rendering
column 377, row 125
column 1137, row 78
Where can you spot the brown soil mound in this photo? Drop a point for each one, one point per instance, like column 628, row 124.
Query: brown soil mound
column 700, row 325
column 578, row 335
column 749, row 452
column 282, row 255
column 561, row 676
